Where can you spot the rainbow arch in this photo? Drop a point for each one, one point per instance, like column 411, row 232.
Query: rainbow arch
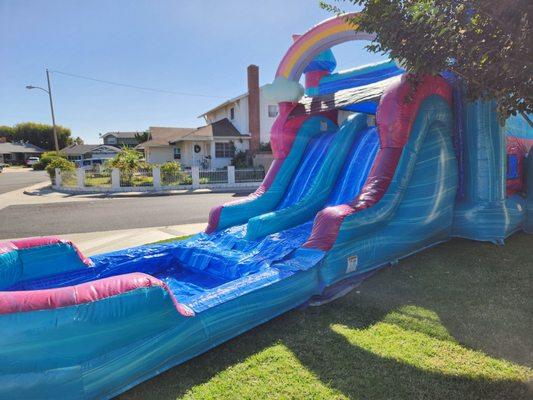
column 321, row 37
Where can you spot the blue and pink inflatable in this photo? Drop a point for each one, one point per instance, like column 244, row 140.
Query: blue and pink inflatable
column 398, row 170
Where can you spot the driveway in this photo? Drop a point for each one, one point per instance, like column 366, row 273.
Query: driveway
column 14, row 179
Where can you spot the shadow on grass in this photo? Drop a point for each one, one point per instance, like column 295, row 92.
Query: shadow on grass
column 451, row 322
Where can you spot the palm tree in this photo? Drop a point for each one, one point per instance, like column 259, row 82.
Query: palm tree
column 142, row 137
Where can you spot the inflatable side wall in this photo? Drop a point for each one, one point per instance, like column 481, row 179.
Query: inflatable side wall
column 485, row 213
column 528, row 225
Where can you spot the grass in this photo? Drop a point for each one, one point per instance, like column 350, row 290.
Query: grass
column 98, row 181
column 453, row 322
column 174, row 239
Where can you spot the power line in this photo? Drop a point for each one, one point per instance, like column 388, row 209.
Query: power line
column 135, row 86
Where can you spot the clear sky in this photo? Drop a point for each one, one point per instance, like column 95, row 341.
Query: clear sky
column 200, row 46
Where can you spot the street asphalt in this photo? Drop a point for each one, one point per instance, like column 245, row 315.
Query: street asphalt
column 108, row 214
column 10, row 181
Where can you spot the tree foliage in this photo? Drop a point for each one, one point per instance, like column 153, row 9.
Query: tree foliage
column 142, row 137
column 41, row 135
column 240, row 159
column 59, row 162
column 171, row 167
column 488, row 43
column 128, row 161
column 46, row 158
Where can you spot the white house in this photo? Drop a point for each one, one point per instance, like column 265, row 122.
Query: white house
column 250, row 113
column 210, row 146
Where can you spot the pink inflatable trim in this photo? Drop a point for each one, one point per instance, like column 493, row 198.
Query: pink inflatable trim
column 40, row 242
column 33, row 300
column 395, row 118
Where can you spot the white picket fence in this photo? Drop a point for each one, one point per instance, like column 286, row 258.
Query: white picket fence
column 153, row 179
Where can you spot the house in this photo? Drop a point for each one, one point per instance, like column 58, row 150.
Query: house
column 78, row 152
column 18, row 152
column 250, row 113
column 210, row 146
column 121, row 139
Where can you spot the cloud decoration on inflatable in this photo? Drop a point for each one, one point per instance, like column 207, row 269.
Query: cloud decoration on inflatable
column 283, row 89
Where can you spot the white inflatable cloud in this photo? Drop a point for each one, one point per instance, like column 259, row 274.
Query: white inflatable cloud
column 283, row 90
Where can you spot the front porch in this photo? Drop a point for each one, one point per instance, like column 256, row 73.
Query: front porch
column 207, row 154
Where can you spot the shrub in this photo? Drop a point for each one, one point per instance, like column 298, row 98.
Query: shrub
column 266, row 147
column 46, row 158
column 171, row 167
column 171, row 174
column 58, row 162
column 128, row 161
column 240, row 160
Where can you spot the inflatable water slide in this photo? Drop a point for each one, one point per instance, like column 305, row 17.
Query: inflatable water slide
column 368, row 169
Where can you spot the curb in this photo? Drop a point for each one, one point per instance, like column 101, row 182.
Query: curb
column 38, row 192
column 109, row 194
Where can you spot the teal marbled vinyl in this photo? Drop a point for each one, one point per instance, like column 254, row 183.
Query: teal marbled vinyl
column 37, row 262
column 528, row 224
column 320, row 188
column 235, row 214
column 485, row 213
column 129, row 338
column 417, row 209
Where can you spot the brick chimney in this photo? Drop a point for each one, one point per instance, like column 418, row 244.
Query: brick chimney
column 253, row 107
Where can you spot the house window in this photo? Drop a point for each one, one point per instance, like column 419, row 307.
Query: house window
column 177, row 153
column 111, row 140
column 272, row 110
column 224, row 150
column 232, row 113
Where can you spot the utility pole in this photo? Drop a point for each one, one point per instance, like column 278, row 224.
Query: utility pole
column 52, row 110
column 49, row 91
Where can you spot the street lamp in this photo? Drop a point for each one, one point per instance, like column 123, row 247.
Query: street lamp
column 49, row 91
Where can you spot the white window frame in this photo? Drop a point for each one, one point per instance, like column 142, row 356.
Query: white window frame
column 177, row 153
column 227, row 151
column 272, row 110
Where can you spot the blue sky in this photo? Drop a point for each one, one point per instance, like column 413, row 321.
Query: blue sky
column 200, row 46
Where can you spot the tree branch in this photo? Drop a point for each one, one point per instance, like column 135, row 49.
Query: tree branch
column 526, row 117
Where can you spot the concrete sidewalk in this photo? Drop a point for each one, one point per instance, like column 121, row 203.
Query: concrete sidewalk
column 103, row 242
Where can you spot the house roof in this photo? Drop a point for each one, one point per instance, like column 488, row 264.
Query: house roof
column 222, row 128
column 122, row 135
column 227, row 102
column 80, row 149
column 19, row 147
column 162, row 136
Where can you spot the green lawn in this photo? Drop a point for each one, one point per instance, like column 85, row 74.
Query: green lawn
column 98, row 181
column 453, row 322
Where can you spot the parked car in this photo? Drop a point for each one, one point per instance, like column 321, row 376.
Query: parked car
column 90, row 163
column 31, row 161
